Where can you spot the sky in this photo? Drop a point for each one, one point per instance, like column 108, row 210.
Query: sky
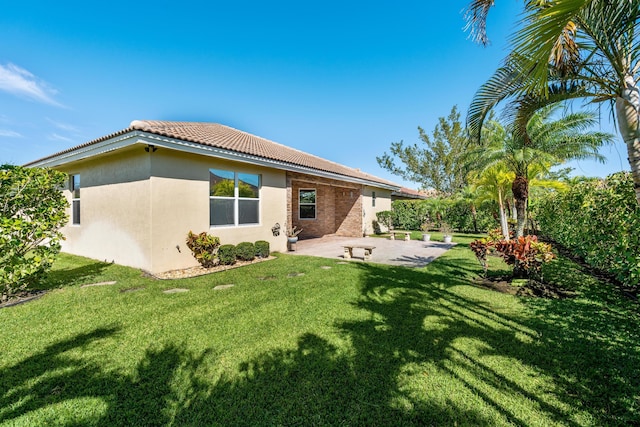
column 340, row 80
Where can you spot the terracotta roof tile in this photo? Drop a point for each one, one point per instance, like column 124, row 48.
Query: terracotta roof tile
column 228, row 138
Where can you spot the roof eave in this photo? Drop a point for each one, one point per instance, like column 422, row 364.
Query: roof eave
column 147, row 138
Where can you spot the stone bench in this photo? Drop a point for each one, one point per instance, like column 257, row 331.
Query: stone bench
column 407, row 235
column 348, row 251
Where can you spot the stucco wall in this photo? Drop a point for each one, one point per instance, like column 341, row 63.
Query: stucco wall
column 137, row 207
column 180, row 203
column 114, row 209
column 383, row 203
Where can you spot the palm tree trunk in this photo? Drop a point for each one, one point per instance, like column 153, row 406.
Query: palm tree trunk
column 504, row 225
column 474, row 216
column 628, row 112
column 520, row 189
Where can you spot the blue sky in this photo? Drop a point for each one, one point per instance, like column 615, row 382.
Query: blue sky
column 341, row 80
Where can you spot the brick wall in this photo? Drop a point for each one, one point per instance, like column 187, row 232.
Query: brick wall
column 338, row 206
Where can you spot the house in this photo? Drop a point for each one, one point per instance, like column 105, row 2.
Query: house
column 409, row 194
column 134, row 194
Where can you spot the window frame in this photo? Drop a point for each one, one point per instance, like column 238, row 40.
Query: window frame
column 75, row 198
column 314, row 204
column 236, row 199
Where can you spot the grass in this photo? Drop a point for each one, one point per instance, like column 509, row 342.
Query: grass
column 357, row 344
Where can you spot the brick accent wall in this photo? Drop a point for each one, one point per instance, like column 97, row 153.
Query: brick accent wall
column 338, row 206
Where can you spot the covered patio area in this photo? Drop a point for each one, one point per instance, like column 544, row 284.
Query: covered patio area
column 413, row 253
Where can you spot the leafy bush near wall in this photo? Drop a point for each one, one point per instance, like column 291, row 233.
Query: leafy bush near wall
column 227, row 254
column 246, row 251
column 32, row 211
column 262, row 249
column 204, row 248
column 599, row 221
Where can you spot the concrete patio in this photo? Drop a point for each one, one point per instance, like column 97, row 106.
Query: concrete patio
column 413, row 253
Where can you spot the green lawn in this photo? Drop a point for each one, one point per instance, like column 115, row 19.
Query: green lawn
column 357, row 344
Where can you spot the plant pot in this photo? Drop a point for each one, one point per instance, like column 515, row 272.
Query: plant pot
column 447, row 239
column 426, row 237
column 291, row 243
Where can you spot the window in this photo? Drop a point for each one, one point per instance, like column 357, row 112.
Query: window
column 307, row 205
column 74, row 186
column 373, row 199
column 234, row 198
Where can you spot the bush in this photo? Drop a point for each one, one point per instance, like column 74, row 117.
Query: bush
column 526, row 252
column 246, row 251
column 411, row 214
column 204, row 248
column 262, row 249
column 460, row 216
column 599, row 221
column 227, row 254
column 385, row 218
column 32, row 211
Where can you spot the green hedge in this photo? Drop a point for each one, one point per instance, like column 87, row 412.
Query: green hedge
column 227, row 254
column 246, row 251
column 599, row 221
column 262, row 249
column 409, row 214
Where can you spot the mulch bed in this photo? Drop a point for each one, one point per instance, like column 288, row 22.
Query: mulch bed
column 200, row 271
column 531, row 288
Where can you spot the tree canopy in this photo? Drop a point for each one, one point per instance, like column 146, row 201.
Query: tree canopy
column 437, row 162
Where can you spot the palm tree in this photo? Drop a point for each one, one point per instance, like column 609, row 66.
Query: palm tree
column 494, row 184
column 543, row 142
column 570, row 49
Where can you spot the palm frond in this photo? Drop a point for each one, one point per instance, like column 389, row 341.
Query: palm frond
column 476, row 17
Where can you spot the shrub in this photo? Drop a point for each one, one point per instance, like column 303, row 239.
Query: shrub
column 385, row 218
column 598, row 220
column 227, row 254
column 411, row 214
column 246, row 251
column 526, row 253
column 262, row 249
column 204, row 248
column 32, row 211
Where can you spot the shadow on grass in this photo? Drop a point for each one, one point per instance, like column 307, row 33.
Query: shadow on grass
column 589, row 355
column 71, row 276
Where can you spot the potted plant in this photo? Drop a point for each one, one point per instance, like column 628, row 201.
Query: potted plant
column 425, row 227
column 446, row 232
column 292, row 233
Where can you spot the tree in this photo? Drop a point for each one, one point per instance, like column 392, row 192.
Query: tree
column 494, row 183
column 571, row 49
column 32, row 210
column 543, row 142
column 438, row 164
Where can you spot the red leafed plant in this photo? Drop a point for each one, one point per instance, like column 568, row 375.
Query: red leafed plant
column 525, row 253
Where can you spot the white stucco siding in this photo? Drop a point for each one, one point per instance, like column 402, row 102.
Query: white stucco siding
column 382, row 203
column 114, row 209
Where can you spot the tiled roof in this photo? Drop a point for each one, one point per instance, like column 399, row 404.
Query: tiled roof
column 227, row 138
column 415, row 194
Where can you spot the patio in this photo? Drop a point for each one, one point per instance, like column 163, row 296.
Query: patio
column 413, row 253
